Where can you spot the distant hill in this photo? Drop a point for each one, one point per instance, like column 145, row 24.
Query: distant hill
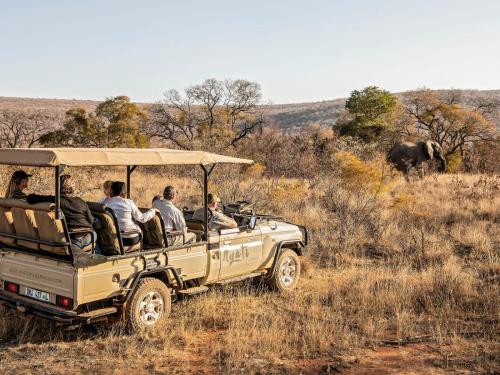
column 326, row 112
column 286, row 116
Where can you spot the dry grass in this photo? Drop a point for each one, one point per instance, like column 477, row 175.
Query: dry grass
column 415, row 262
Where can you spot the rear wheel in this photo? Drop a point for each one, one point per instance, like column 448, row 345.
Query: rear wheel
column 287, row 272
column 149, row 306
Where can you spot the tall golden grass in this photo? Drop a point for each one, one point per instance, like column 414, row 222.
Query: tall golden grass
column 390, row 265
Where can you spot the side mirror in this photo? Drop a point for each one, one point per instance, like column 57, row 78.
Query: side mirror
column 253, row 222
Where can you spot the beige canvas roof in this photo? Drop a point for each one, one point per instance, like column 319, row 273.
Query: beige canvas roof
column 74, row 157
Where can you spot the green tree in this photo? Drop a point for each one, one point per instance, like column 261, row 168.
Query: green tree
column 116, row 122
column 370, row 113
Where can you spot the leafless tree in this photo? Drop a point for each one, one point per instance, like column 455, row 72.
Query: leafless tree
column 24, row 128
column 213, row 114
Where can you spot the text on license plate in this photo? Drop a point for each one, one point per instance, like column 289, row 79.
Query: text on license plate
column 37, row 294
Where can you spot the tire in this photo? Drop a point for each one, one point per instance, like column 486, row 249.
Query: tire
column 287, row 272
column 149, row 306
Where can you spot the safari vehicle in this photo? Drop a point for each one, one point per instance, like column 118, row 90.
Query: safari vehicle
column 42, row 274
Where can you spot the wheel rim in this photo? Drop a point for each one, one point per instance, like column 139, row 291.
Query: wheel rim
column 288, row 271
column 151, row 308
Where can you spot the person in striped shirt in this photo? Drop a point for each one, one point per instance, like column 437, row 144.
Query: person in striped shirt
column 18, row 182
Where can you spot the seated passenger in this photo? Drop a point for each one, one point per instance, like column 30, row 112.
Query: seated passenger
column 76, row 212
column 106, row 188
column 217, row 220
column 126, row 212
column 173, row 218
column 18, row 182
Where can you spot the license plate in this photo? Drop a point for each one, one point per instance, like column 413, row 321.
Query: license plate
column 37, row 294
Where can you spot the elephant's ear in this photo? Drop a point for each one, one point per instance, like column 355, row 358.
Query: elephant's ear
column 428, row 150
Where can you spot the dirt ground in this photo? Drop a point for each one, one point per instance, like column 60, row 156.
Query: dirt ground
column 61, row 357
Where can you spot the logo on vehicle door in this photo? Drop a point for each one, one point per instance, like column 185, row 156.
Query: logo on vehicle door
column 236, row 255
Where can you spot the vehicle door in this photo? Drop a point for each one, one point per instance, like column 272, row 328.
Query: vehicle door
column 240, row 251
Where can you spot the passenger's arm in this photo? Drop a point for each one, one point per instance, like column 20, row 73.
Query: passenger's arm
column 180, row 223
column 231, row 222
column 35, row 198
column 221, row 220
column 139, row 216
column 89, row 215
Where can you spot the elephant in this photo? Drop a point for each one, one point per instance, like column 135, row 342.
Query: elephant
column 405, row 155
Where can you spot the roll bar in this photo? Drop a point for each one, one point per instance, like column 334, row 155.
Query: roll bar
column 207, row 170
column 206, row 174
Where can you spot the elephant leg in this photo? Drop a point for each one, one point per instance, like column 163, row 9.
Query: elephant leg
column 407, row 173
column 421, row 170
column 407, row 169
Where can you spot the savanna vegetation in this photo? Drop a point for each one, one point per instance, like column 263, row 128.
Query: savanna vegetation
column 411, row 267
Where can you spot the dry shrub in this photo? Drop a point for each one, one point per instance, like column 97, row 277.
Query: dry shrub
column 289, row 193
column 443, row 287
column 354, row 204
column 357, row 173
column 454, row 162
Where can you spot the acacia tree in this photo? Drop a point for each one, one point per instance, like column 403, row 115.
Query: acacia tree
column 115, row 123
column 24, row 128
column 214, row 115
column 445, row 118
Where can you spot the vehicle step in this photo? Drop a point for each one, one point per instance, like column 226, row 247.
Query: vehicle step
column 193, row 290
column 240, row 278
column 98, row 313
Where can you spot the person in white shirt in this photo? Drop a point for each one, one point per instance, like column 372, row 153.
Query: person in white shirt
column 126, row 212
column 173, row 218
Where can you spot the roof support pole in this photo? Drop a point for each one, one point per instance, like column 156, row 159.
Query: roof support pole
column 130, row 169
column 206, row 174
column 58, row 171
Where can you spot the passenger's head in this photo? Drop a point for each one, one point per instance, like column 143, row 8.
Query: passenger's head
column 106, row 187
column 118, row 189
column 169, row 193
column 20, row 179
column 66, row 185
column 213, row 199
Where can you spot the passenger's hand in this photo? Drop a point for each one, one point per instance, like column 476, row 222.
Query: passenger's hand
column 155, row 210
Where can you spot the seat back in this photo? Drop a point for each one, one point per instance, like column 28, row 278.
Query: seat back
column 51, row 229
column 195, row 225
column 7, row 226
column 25, row 225
column 33, row 221
column 109, row 236
column 153, row 232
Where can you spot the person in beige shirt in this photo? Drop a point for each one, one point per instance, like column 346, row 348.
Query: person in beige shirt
column 217, row 220
column 173, row 219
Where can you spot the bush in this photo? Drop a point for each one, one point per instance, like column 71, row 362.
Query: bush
column 454, row 162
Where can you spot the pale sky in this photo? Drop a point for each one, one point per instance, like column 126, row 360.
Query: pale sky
column 299, row 51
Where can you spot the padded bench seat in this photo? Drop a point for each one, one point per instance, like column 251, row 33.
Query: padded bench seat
column 35, row 222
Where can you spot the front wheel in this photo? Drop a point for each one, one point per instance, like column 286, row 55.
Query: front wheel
column 149, row 306
column 287, row 272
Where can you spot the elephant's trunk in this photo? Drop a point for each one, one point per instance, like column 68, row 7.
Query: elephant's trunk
column 442, row 165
